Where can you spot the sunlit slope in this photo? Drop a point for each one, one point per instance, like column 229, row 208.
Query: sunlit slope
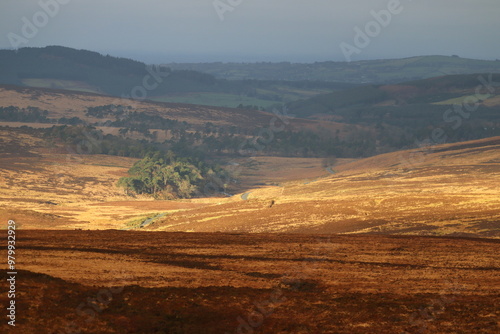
column 63, row 103
column 48, row 186
column 443, row 190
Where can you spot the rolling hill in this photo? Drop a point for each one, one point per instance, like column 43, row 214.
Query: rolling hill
column 449, row 189
column 440, row 91
column 459, row 107
column 259, row 85
column 65, row 103
column 63, row 152
column 65, row 68
column 357, row 72
column 212, row 130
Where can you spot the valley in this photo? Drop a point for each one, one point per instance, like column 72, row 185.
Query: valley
column 235, row 201
column 449, row 189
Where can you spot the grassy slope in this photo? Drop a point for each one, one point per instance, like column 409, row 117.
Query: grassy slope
column 61, row 103
column 61, row 84
column 465, row 180
column 450, row 189
column 447, row 190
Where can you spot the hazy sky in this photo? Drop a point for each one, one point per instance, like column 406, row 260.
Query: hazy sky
column 162, row 31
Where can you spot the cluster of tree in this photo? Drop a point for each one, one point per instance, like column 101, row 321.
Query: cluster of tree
column 34, row 115
column 146, row 121
column 86, row 139
column 216, row 141
column 107, row 110
column 130, row 120
column 409, row 112
column 110, row 74
column 166, row 176
column 249, row 107
column 30, row 114
column 362, row 143
column 394, row 129
column 322, row 144
column 336, row 102
column 70, row 121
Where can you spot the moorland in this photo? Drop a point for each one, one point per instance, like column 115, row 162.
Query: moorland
column 306, row 204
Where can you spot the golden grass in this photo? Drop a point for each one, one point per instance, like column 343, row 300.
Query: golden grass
column 61, row 103
column 452, row 190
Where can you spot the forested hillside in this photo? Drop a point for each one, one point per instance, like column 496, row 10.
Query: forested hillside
column 462, row 107
column 65, row 68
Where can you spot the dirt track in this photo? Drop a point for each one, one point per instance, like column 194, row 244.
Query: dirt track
column 258, row 283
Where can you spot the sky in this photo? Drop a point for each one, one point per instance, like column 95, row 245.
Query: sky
column 166, row 31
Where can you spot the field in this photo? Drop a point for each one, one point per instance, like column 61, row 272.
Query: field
column 276, row 95
column 61, row 84
column 214, row 99
column 52, row 189
column 139, row 282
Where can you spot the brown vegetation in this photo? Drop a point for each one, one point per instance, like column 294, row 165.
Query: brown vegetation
column 139, row 282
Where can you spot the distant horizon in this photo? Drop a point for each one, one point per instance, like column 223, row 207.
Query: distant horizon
column 156, row 31
column 145, row 58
